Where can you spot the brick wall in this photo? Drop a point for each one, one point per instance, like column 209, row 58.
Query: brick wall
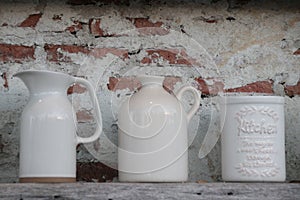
column 216, row 46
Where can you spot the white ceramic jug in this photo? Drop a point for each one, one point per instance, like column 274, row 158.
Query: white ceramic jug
column 153, row 140
column 48, row 136
column 253, row 138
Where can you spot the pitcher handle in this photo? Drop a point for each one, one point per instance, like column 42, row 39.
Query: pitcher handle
column 95, row 104
column 196, row 104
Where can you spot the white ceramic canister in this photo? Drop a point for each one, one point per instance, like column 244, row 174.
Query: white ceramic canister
column 253, row 147
column 152, row 137
column 48, row 136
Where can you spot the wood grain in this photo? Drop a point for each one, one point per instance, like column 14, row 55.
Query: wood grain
column 145, row 191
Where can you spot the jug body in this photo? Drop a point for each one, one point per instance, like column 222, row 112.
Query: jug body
column 48, row 139
column 48, row 136
column 152, row 140
column 252, row 141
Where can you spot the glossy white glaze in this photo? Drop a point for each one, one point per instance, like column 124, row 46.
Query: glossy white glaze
column 253, row 138
column 153, row 134
column 48, row 136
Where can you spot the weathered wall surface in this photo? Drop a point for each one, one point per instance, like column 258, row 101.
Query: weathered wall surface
column 216, row 46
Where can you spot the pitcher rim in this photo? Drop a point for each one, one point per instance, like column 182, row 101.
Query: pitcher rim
column 40, row 71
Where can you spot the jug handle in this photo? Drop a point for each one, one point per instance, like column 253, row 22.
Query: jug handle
column 196, row 104
column 95, row 104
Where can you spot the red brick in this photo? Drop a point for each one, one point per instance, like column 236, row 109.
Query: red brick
column 54, row 55
column 144, row 22
column 147, row 27
column 31, row 20
column 76, row 88
column 202, row 86
column 153, row 31
column 16, row 53
column 75, row 27
column 146, row 60
column 297, row 52
column 132, row 83
column 4, row 77
column 173, row 56
column 206, row 89
column 84, row 116
column 257, row 87
column 95, row 172
column 292, row 90
column 123, row 83
column 217, row 87
column 209, row 89
column 94, row 27
column 170, row 82
column 210, row 20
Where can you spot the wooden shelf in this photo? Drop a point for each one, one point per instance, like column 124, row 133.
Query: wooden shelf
column 145, row 191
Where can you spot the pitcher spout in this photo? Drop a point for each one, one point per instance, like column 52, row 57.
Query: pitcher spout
column 40, row 81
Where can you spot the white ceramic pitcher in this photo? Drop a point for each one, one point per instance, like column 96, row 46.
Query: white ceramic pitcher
column 48, row 136
column 153, row 140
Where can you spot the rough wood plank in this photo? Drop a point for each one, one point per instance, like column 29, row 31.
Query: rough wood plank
column 116, row 191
